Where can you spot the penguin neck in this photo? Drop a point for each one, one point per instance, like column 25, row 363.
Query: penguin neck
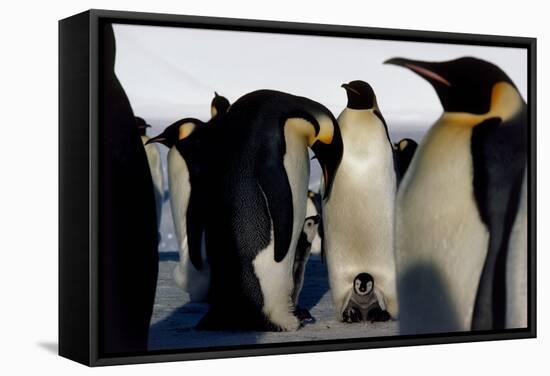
column 359, row 122
column 506, row 102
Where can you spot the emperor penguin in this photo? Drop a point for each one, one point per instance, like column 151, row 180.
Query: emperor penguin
column 128, row 228
column 359, row 218
column 458, row 202
column 155, row 165
column 186, row 167
column 405, row 150
column 219, row 105
column 260, row 195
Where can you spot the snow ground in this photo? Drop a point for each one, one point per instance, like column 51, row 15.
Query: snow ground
column 174, row 318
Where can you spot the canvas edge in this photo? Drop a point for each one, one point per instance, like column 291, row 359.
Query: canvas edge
column 96, row 16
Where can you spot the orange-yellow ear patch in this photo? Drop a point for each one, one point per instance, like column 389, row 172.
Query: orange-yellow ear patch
column 326, row 129
column 505, row 101
column 185, row 130
column 403, row 144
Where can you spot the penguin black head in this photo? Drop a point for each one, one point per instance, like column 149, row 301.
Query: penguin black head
column 360, row 95
column 406, row 144
column 142, row 126
column 363, row 284
column 463, row 85
column 219, row 105
column 177, row 131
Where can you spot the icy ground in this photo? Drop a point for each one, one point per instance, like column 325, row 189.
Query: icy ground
column 174, row 317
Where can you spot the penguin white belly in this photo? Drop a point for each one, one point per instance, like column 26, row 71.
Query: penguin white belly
column 358, row 217
column 516, row 267
column 195, row 282
column 276, row 279
column 153, row 158
column 441, row 242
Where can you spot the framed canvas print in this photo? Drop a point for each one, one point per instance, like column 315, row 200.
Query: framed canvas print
column 239, row 187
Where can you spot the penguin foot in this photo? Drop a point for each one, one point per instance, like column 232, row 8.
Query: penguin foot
column 285, row 322
column 351, row 315
column 377, row 314
column 304, row 316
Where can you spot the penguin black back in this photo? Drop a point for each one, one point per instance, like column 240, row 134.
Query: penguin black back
column 252, row 195
column 128, row 232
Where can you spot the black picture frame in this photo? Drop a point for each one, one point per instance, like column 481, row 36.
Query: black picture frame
column 78, row 192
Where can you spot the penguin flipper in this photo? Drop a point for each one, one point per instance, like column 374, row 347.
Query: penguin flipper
column 499, row 156
column 279, row 201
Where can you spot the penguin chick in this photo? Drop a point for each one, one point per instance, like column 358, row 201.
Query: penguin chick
column 365, row 302
column 303, row 251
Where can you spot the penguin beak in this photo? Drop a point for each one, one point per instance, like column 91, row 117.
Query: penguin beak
column 329, row 157
column 160, row 139
column 425, row 69
column 349, row 89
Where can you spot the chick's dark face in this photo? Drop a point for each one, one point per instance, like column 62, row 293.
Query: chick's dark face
column 462, row 85
column 363, row 284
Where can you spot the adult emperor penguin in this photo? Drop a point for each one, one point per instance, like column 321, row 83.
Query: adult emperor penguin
column 358, row 219
column 405, row 150
column 186, row 167
column 155, row 166
column 260, row 198
column 459, row 200
column 129, row 236
column 219, row 105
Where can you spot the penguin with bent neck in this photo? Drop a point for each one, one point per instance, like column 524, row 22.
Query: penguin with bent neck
column 465, row 178
column 186, row 167
column 260, row 194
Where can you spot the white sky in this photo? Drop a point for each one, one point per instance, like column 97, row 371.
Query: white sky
column 170, row 73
